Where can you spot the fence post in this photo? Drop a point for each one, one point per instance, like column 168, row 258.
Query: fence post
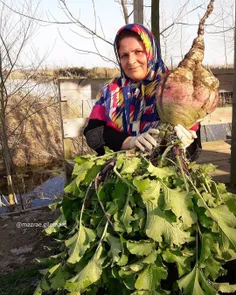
column 233, row 139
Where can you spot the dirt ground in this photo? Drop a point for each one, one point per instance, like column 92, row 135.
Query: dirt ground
column 21, row 238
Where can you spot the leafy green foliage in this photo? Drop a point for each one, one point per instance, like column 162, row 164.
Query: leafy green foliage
column 126, row 222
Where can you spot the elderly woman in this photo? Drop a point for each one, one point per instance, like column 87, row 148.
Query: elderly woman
column 125, row 115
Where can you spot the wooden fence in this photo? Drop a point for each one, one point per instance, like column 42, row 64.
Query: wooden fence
column 225, row 77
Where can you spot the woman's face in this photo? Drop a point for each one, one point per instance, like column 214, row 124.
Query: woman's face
column 133, row 58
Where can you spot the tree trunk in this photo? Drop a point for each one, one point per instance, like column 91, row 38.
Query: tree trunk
column 155, row 19
column 233, row 140
column 6, row 154
column 138, row 11
column 125, row 11
column 7, row 162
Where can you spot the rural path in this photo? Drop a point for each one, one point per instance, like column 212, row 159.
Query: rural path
column 22, row 239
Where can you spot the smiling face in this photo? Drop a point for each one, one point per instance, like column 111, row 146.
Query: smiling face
column 133, row 58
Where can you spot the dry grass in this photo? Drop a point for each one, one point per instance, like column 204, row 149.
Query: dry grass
column 47, row 75
column 38, row 138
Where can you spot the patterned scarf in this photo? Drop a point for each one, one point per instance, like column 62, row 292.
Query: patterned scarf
column 126, row 105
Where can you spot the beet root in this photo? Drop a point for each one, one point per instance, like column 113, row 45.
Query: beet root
column 190, row 92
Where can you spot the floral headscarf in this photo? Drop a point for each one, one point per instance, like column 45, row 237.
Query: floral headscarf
column 126, row 105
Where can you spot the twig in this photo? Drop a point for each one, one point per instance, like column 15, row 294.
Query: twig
column 98, row 178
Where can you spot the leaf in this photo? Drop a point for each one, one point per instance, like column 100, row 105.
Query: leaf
column 148, row 189
column 82, row 159
column 213, row 268
column 225, row 220
column 231, row 204
column 204, row 220
column 119, row 194
column 180, row 203
column 72, row 188
column 123, row 260
column 151, row 258
column 209, row 250
column 130, row 165
column 159, row 228
column 225, row 287
column 181, row 258
column 132, row 268
column 161, row 172
column 51, row 260
column 150, row 278
column 128, row 275
column 209, row 199
column 90, row 274
column 126, row 216
column 38, row 290
column 140, row 248
column 195, row 283
column 56, row 225
column 116, row 247
column 90, row 175
column 154, row 222
column 207, row 241
column 79, row 243
column 53, row 269
column 45, row 284
column 121, row 158
column 58, row 277
column 82, row 168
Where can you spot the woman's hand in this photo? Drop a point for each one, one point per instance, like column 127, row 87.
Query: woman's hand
column 144, row 141
column 185, row 136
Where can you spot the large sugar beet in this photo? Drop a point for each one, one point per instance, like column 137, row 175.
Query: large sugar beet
column 190, row 92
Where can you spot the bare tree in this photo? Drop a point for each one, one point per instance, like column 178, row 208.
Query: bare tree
column 123, row 4
column 155, row 19
column 180, row 20
column 17, row 57
column 233, row 141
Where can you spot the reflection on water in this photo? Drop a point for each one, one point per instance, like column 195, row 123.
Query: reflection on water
column 51, row 190
column 33, row 87
column 44, row 189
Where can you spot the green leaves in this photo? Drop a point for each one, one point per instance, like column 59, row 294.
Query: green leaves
column 180, row 203
column 161, row 229
column 130, row 165
column 181, row 258
column 59, row 275
column 226, row 221
column 195, row 283
column 225, row 287
column 79, row 243
column 150, row 278
column 149, row 189
column 90, row 274
column 141, row 248
column 116, row 247
column 160, row 173
column 125, row 220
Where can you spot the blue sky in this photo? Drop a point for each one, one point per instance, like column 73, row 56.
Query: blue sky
column 177, row 40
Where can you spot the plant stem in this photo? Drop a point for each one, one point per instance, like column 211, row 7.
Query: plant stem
column 165, row 153
column 124, row 180
column 182, row 172
column 102, row 237
column 197, row 191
